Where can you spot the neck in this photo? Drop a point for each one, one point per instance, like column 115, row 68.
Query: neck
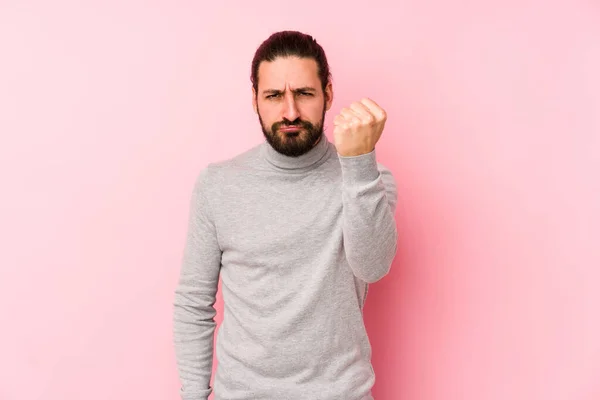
column 303, row 162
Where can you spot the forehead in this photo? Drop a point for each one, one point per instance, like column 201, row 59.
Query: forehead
column 284, row 71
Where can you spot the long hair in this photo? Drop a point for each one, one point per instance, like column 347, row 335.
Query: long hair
column 291, row 43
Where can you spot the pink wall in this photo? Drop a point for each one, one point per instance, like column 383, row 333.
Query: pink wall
column 109, row 109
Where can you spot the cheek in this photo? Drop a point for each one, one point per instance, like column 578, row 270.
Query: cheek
column 268, row 114
column 312, row 112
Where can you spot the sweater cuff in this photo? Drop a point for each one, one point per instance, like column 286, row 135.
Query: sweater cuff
column 359, row 169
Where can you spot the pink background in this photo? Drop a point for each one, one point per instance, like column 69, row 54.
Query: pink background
column 108, row 110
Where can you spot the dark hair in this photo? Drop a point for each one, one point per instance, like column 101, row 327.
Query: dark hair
column 291, row 43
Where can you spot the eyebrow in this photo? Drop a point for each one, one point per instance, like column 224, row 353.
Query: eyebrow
column 301, row 89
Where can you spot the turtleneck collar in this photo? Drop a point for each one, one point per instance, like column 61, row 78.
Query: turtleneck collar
column 303, row 162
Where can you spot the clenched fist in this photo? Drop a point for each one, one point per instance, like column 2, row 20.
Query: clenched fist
column 358, row 128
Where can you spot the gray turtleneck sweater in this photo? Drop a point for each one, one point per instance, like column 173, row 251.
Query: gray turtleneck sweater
column 296, row 242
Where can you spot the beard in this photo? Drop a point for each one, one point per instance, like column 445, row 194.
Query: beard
column 293, row 144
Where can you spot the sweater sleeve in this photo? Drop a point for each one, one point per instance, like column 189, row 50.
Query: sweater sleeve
column 369, row 197
column 194, row 312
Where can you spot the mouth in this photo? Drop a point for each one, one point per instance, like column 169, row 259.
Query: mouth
column 290, row 128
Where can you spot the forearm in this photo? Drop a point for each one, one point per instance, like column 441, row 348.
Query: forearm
column 193, row 333
column 369, row 199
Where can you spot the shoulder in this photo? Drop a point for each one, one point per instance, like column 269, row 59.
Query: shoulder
column 218, row 172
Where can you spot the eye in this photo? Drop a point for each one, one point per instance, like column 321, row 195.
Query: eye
column 272, row 96
column 306, row 94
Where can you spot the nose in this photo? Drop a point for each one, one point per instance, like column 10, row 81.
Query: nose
column 290, row 111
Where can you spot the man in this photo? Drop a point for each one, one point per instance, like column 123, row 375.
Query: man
column 296, row 228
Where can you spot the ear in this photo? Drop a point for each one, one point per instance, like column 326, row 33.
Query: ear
column 328, row 96
column 254, row 105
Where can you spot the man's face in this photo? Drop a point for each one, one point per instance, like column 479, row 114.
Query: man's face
column 291, row 104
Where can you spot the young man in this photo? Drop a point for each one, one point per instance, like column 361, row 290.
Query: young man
column 297, row 228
